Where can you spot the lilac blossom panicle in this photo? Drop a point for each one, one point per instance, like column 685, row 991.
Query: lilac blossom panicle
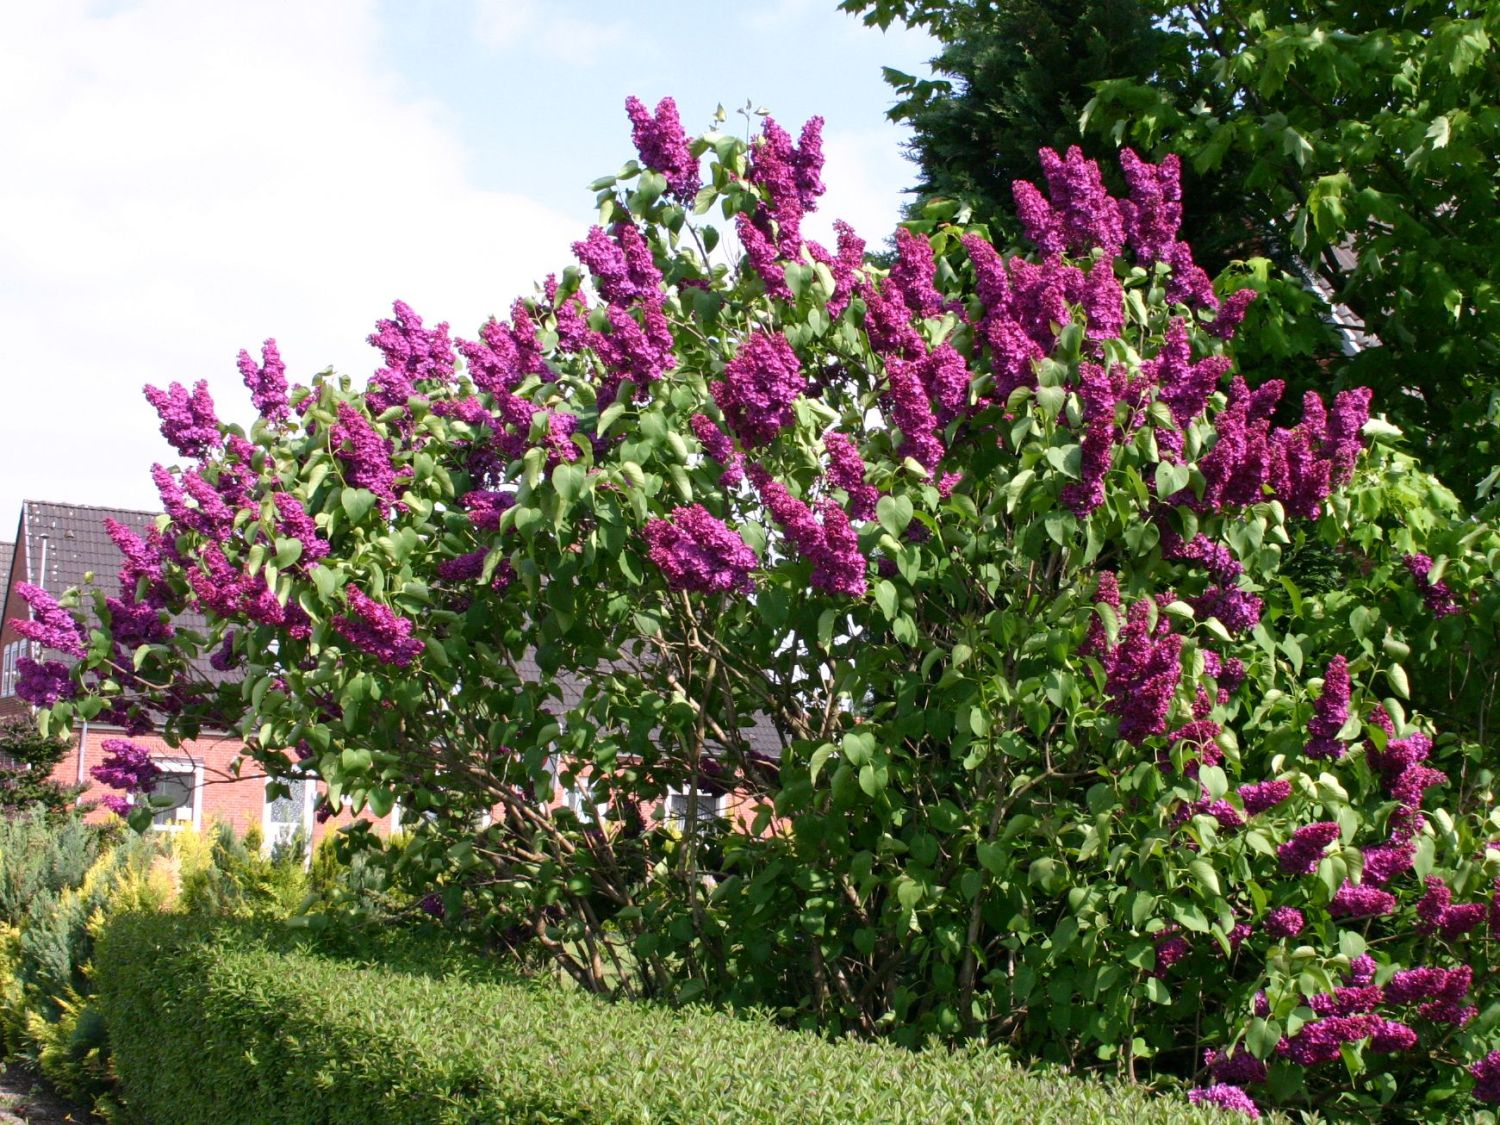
column 1284, row 922
column 1106, row 592
column 663, row 146
column 1231, row 312
column 1300, row 854
column 266, row 382
column 911, row 277
column 838, row 567
column 911, row 410
column 719, row 446
column 1486, row 1074
column 696, row 551
column 1224, row 1096
column 1079, row 213
column 188, row 421
column 411, row 351
column 1143, row 671
column 377, row 629
column 1152, row 215
column 1353, row 900
column 143, row 557
column 831, row 546
column 365, row 454
column 1100, row 394
column 50, row 625
column 127, row 765
column 43, row 682
column 293, row 522
column 1240, row 1068
column 760, row 384
column 1361, row 970
column 845, row 266
column 1330, row 712
column 1438, row 596
column 1320, row 1040
column 846, row 470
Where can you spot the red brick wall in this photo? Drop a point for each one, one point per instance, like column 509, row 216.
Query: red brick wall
column 10, row 706
column 234, row 798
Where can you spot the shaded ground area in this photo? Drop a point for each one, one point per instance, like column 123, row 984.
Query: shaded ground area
column 25, row 1099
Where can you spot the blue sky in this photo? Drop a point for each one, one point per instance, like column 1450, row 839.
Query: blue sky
column 187, row 177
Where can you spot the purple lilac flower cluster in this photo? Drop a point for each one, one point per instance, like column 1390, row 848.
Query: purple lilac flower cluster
column 365, row 454
column 1284, row 922
column 1142, row 673
column 1100, row 392
column 188, row 421
column 663, row 146
column 846, row 470
column 845, row 265
column 1361, row 900
column 696, row 551
column 144, row 562
column 1436, row 912
column 831, row 545
column 1330, row 712
column 1184, row 385
column 266, row 382
column 1239, row 1068
column 50, row 625
column 412, row 352
column 1300, row 854
column 293, row 522
column 1107, row 592
column 1486, row 1073
column 760, row 384
column 1301, row 465
column 1079, row 213
column 43, row 682
column 912, row 274
column 127, row 766
column 720, row 447
column 622, row 266
column 1438, row 596
column 228, row 593
column 789, row 177
column 1222, row 1095
column 376, row 629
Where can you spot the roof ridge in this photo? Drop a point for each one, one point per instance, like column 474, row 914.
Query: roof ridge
column 94, row 507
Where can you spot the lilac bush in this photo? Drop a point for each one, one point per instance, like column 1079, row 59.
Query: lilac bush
column 983, row 582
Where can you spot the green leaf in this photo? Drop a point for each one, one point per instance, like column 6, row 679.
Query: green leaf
column 894, row 514
column 357, row 503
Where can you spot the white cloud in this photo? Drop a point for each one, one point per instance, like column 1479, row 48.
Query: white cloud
column 865, row 175
column 184, row 179
column 549, row 30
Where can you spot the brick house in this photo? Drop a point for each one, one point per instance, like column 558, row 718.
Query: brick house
column 59, row 546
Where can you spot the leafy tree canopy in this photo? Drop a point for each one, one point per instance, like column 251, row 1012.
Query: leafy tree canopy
column 1338, row 156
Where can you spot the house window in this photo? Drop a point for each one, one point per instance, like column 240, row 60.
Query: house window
column 182, row 783
column 708, row 807
column 288, row 817
column 9, row 670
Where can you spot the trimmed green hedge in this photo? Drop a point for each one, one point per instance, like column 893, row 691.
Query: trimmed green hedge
column 218, row 1025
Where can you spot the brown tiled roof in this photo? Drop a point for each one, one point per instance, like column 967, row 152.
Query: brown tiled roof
column 78, row 551
column 72, row 540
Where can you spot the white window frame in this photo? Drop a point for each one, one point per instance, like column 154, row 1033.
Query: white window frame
column 710, row 807
column 195, row 801
column 309, row 799
column 10, row 667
